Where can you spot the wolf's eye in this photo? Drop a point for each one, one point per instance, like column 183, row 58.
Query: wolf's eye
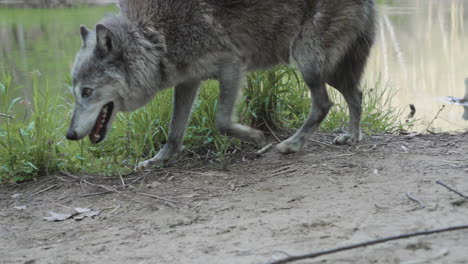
column 86, row 92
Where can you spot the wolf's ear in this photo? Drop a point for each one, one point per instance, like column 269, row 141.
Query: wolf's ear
column 84, row 33
column 106, row 43
column 123, row 5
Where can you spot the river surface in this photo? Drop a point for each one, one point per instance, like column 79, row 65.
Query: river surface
column 421, row 53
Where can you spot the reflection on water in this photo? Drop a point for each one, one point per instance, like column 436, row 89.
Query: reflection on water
column 421, row 52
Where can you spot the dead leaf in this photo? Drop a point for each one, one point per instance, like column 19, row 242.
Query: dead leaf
column 55, row 217
column 80, row 214
column 82, row 210
column 83, row 215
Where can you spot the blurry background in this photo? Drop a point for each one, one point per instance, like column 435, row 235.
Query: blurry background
column 421, row 52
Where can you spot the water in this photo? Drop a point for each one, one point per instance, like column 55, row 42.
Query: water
column 421, row 52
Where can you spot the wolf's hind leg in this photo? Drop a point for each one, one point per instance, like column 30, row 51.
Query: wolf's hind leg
column 353, row 97
column 231, row 77
column 346, row 79
column 184, row 96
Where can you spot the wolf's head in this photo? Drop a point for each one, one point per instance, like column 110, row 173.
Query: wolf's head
column 116, row 69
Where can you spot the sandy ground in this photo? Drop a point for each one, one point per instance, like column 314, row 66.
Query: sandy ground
column 323, row 197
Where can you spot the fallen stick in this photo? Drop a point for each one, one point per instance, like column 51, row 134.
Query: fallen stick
column 273, row 133
column 7, row 116
column 451, row 189
column 95, row 194
column 163, row 199
column 365, row 244
column 435, row 118
column 265, row 149
column 44, row 190
column 416, row 200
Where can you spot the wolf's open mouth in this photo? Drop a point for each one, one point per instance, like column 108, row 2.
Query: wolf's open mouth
column 100, row 128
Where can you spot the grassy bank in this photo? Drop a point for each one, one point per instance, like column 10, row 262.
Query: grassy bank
column 33, row 143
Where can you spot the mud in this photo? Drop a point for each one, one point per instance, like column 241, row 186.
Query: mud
column 253, row 210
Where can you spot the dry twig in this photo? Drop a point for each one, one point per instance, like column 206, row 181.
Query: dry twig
column 163, row 199
column 433, row 120
column 44, row 190
column 7, row 116
column 273, row 133
column 95, row 194
column 416, row 200
column 365, row 244
column 451, row 189
column 324, row 144
column 265, row 149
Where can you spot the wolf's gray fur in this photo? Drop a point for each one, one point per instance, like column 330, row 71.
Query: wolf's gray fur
column 155, row 44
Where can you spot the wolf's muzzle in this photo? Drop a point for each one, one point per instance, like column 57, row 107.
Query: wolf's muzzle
column 72, row 135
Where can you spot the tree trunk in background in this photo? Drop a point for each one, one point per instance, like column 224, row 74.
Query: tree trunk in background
column 52, row 3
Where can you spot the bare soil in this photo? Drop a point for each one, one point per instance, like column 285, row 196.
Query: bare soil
column 324, row 197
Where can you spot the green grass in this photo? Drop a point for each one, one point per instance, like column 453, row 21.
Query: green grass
column 34, row 144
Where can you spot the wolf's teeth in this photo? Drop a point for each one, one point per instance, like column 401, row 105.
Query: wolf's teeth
column 103, row 121
column 97, row 136
column 104, row 110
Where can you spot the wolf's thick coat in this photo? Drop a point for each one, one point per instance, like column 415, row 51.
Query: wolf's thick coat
column 156, row 44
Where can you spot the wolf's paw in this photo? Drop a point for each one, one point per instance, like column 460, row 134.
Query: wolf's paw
column 259, row 139
column 347, row 139
column 289, row 146
column 149, row 164
column 161, row 159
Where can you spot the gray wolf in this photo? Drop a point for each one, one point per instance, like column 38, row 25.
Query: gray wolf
column 155, row 44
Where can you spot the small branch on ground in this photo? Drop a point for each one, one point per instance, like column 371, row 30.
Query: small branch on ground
column 308, row 169
column 365, row 244
column 265, row 149
column 272, row 132
column 122, row 180
column 70, row 175
column 451, row 189
column 416, row 200
column 95, row 194
column 44, row 190
column 433, row 120
column 163, row 199
column 7, row 116
column 323, row 144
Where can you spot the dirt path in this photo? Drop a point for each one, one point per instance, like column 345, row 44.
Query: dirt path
column 323, row 197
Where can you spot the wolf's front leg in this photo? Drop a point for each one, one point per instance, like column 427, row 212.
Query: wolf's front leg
column 184, row 96
column 231, row 77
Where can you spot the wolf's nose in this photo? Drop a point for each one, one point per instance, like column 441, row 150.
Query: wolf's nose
column 72, row 135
